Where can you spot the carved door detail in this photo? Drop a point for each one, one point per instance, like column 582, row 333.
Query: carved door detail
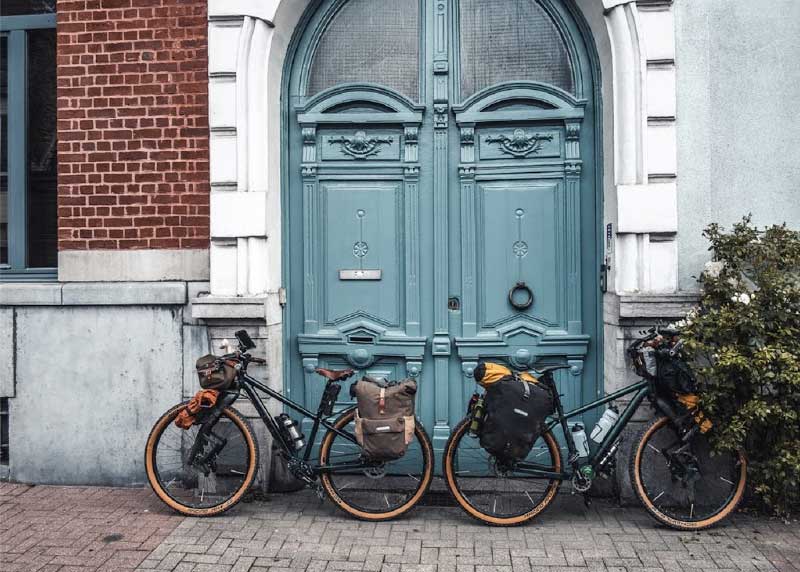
column 416, row 204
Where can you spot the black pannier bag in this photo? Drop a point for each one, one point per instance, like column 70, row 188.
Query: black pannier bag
column 673, row 375
column 515, row 415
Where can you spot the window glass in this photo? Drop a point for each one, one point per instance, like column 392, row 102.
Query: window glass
column 22, row 7
column 507, row 41
column 370, row 41
column 3, row 150
column 42, row 167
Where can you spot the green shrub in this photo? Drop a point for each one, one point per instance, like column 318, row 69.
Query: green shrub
column 745, row 340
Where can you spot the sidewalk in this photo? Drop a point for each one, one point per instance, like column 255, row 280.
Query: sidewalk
column 94, row 528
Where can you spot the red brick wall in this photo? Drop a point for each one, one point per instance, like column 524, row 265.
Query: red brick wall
column 132, row 124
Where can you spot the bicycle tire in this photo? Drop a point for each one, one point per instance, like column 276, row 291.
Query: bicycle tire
column 151, row 463
column 330, row 488
column 448, row 467
column 635, row 467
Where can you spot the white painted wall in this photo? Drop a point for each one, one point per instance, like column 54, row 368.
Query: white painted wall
column 738, row 90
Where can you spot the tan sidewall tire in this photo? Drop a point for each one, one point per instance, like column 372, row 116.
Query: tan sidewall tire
column 447, row 466
column 638, row 486
column 341, row 422
column 159, row 427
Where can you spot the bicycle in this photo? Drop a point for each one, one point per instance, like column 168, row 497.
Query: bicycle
column 672, row 470
column 207, row 469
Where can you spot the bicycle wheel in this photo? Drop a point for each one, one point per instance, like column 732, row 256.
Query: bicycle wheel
column 684, row 487
column 198, row 475
column 375, row 491
column 497, row 492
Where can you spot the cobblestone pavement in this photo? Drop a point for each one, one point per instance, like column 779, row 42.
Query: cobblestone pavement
column 66, row 529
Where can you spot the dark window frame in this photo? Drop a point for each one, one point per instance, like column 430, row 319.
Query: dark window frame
column 15, row 28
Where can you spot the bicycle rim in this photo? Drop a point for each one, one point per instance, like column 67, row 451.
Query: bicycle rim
column 375, row 491
column 213, row 482
column 693, row 491
column 492, row 491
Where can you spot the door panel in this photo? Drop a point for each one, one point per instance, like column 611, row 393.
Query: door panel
column 363, row 222
column 520, row 243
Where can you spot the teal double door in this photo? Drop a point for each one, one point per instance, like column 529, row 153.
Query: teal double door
column 440, row 197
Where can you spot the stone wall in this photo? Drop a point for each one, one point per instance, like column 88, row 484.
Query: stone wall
column 739, row 149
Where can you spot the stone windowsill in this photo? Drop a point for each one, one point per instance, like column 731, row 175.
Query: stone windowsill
column 93, row 294
column 227, row 307
column 661, row 306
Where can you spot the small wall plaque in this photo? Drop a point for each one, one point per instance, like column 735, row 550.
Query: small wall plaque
column 359, row 274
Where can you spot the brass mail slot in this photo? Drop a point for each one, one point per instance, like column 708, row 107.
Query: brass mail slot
column 359, row 274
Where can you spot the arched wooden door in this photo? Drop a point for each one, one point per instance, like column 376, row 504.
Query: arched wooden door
column 439, row 153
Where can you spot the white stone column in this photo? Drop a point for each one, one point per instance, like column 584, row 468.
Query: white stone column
column 643, row 53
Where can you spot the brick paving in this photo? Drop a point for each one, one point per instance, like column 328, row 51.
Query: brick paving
column 70, row 529
column 65, row 529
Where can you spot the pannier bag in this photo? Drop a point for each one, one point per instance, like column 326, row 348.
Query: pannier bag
column 203, row 399
column 673, row 375
column 214, row 373
column 516, row 407
column 385, row 416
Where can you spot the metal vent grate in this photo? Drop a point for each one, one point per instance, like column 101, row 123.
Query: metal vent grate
column 4, row 415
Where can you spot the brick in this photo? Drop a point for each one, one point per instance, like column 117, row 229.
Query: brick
column 132, row 101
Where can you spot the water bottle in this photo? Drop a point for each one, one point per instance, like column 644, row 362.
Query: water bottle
column 477, row 417
column 605, row 424
column 290, row 428
column 579, row 438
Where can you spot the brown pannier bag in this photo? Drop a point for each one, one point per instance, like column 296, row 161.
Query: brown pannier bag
column 214, row 373
column 385, row 416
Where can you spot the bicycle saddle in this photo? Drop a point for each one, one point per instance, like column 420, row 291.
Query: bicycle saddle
column 333, row 374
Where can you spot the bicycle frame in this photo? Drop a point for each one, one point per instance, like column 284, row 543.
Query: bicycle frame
column 642, row 389
column 251, row 386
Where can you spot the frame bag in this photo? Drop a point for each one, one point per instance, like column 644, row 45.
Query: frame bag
column 516, row 407
column 385, row 416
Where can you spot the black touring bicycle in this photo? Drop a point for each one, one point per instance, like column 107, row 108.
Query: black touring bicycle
column 206, row 467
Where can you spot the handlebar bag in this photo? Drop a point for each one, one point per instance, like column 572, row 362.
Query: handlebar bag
column 385, row 416
column 515, row 413
column 214, row 372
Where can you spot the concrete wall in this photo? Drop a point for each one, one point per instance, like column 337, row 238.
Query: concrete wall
column 91, row 381
column 738, row 136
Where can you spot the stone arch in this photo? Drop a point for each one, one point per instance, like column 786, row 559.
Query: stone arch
column 248, row 43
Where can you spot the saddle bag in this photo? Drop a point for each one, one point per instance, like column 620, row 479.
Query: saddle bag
column 516, row 407
column 385, row 416
column 214, row 372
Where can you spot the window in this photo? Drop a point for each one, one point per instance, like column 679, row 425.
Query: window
column 370, row 41
column 507, row 41
column 28, row 166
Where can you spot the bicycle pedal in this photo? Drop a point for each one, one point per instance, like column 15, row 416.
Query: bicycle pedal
column 318, row 489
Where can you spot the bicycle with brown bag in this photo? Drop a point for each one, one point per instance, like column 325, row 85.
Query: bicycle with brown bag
column 375, row 461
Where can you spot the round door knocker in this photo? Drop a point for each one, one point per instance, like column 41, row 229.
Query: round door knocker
column 525, row 303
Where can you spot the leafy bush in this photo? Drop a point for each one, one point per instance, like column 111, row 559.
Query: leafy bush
column 745, row 339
